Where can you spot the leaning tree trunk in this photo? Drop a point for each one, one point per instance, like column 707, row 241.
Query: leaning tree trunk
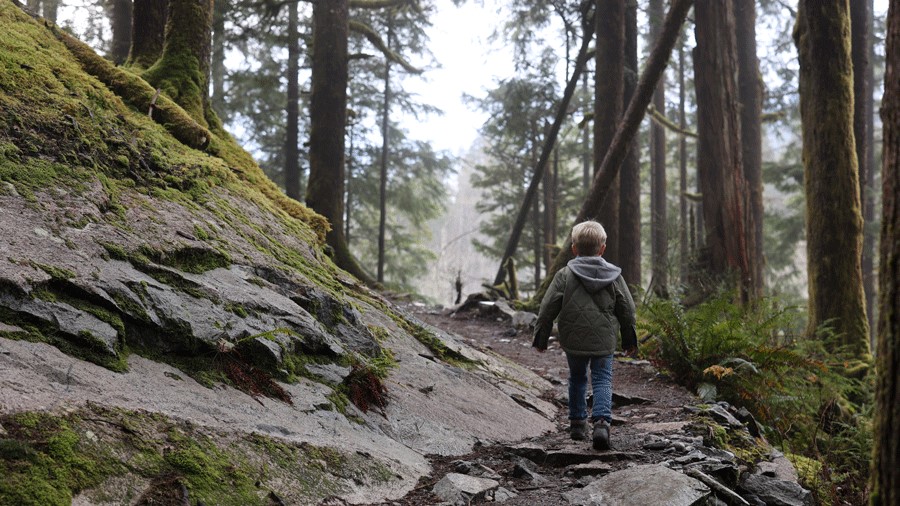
column 609, row 89
column 833, row 221
column 549, row 141
column 750, row 90
column 719, row 144
column 292, row 129
column 886, row 462
column 629, row 238
column 50, row 9
column 659, row 243
column 328, row 122
column 121, row 30
column 628, row 127
column 862, row 88
column 148, row 31
column 182, row 71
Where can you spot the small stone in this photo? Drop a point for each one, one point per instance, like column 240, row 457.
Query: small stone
column 91, row 436
column 523, row 470
column 459, row 488
column 589, row 469
column 502, row 495
column 40, row 232
column 657, row 445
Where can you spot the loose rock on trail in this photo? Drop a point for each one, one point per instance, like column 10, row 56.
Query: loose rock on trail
column 663, row 441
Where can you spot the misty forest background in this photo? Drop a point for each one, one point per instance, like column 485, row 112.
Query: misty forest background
column 732, row 150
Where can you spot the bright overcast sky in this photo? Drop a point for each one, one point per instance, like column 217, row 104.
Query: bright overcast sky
column 469, row 65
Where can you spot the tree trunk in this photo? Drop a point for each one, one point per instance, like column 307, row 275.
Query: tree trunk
column 631, row 122
column 148, row 30
column 609, row 88
column 658, row 209
column 719, row 144
column 870, row 276
column 292, row 129
column 750, row 90
column 328, row 121
column 862, row 88
column 182, row 72
column 549, row 231
column 629, row 237
column 121, row 30
column 886, row 462
column 546, row 149
column 50, row 9
column 217, row 66
column 383, row 172
column 833, row 219
column 538, row 240
column 585, row 138
column 685, row 239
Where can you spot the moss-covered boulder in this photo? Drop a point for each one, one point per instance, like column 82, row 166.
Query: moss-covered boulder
column 149, row 269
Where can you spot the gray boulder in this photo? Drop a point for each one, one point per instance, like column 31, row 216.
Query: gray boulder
column 776, row 492
column 641, row 486
column 462, row 489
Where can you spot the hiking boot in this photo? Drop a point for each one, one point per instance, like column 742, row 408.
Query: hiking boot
column 601, row 435
column 578, row 430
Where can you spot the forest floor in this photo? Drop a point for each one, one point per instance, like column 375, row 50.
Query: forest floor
column 659, row 413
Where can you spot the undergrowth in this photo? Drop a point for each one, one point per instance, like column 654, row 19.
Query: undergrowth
column 812, row 404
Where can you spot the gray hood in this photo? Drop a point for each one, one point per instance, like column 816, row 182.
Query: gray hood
column 595, row 273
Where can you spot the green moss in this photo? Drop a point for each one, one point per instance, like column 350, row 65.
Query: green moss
column 45, row 461
column 57, row 273
column 237, row 309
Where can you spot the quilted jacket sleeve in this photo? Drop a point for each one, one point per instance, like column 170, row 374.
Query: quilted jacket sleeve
column 551, row 304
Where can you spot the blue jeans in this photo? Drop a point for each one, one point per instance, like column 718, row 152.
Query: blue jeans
column 601, row 382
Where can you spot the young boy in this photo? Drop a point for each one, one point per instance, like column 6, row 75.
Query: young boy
column 593, row 303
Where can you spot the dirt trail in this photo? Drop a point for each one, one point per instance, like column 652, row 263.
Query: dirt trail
column 633, row 425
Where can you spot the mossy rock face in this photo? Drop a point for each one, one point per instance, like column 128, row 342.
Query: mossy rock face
column 116, row 456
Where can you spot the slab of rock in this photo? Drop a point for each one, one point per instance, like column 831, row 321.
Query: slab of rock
column 620, row 399
column 523, row 470
column 329, row 372
column 531, row 451
column 563, row 458
column 69, row 320
column 641, row 486
column 589, row 469
column 660, row 427
column 780, row 467
column 461, row 489
column 503, row 495
column 775, row 492
column 722, row 414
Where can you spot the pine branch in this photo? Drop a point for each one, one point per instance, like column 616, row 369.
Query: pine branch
column 665, row 122
column 382, row 4
column 378, row 42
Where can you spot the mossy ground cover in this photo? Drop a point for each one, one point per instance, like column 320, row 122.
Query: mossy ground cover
column 46, row 459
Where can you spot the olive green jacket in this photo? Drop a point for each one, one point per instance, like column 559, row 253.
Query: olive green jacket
column 593, row 302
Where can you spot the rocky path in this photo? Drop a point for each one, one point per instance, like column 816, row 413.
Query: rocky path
column 666, row 444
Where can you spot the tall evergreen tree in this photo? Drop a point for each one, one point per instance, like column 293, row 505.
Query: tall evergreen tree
column 609, row 90
column 658, row 206
column 750, row 95
column 719, row 144
column 833, row 219
column 629, row 236
column 886, row 461
column 121, row 30
column 148, row 32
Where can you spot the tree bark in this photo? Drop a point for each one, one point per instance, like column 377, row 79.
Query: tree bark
column 685, row 239
column 586, row 138
column 292, row 129
column 549, row 232
column 750, row 90
column 148, row 30
column 719, row 167
column 328, row 121
column 870, row 276
column 833, row 221
column 182, row 71
column 385, row 144
column 629, row 237
column 886, row 462
column 609, row 89
column 631, row 122
column 121, row 30
column 862, row 88
column 217, row 66
column 549, row 141
column 50, row 9
column 658, row 209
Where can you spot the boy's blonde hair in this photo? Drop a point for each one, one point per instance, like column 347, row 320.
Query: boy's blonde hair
column 588, row 237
